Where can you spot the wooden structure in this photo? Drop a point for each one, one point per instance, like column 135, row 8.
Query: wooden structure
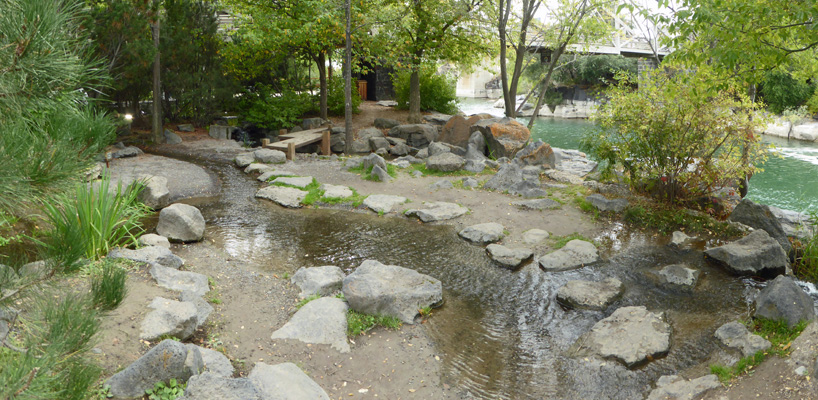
column 291, row 141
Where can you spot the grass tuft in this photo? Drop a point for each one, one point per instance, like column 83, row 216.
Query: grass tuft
column 108, row 288
column 560, row 241
column 303, row 302
column 359, row 323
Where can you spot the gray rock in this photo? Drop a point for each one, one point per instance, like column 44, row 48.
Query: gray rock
column 535, row 236
column 754, row 254
column 422, row 154
column 573, row 162
column 590, row 295
column 152, row 239
column 210, row 386
column 155, row 194
column 564, row 176
column 473, row 153
column 382, row 152
column 167, row 360
column 127, row 152
column 401, row 164
column 270, row 156
column 258, row 168
column 446, row 162
column 476, row 139
column 377, row 143
column 400, row 149
column 438, row 211
column 631, row 335
column 360, row 146
column 337, row 142
column 374, row 288
column 679, row 275
column 577, row 253
column 221, row 132
column 321, row 321
column 736, row 336
column 416, row 135
column 216, row 363
column 537, row 153
column 285, row 382
column 783, row 299
column 504, row 136
column 488, row 232
column 94, row 172
column 311, row 123
column 386, row 123
column 150, row 255
column 508, row 257
column 169, row 318
column 373, row 160
column 185, row 127
column 387, row 103
column 679, row 239
column 380, row 174
column 370, row 132
column 300, row 182
column 181, row 223
column 383, row 203
column 284, row 196
column 416, row 174
column 203, row 308
column 323, row 280
column 437, row 118
column 436, row 148
column 470, row 183
column 605, row 204
column 244, row 159
column 410, row 159
column 442, row 184
column 529, row 188
column 537, row 204
column 336, row 191
column 476, row 166
column 171, row 137
column 508, row 175
column 181, row 281
column 677, row 388
column 759, row 216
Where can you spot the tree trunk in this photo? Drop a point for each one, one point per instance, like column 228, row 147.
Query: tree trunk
column 348, row 134
column 414, row 96
column 156, row 117
column 546, row 82
column 508, row 100
column 322, row 78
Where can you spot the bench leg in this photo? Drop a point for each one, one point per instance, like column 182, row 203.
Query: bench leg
column 325, row 142
column 265, row 142
column 290, row 151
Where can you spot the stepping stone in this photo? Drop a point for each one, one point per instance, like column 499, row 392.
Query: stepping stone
column 245, row 159
column 631, row 335
column 285, row 381
column 152, row 255
column 736, row 336
column 318, row 280
column 258, row 168
column 181, row 223
column 605, row 204
column 300, row 182
column 488, row 232
column 336, row 191
column 438, row 211
column 678, row 388
column 383, row 203
column 590, row 295
column 755, row 254
column 577, row 253
column 679, row 275
column 152, row 239
column 321, row 321
column 537, row 204
column 508, row 257
column 283, row 196
column 264, row 177
column 535, row 236
column 679, row 239
column 181, row 281
column 169, row 318
column 270, row 156
column 167, row 360
column 783, row 299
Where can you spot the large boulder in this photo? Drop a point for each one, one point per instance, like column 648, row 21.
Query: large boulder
column 736, row 336
column 283, row 196
column 508, row 257
column 457, row 130
column 755, row 254
column 415, row 135
column 445, row 162
column 590, row 295
column 759, row 216
column 437, row 211
column 783, row 299
column 360, row 146
column 285, row 382
column 171, row 137
column 505, row 178
column 576, row 253
column 181, row 223
column 180, row 281
column 270, row 156
column 167, row 360
column 538, row 154
column 377, row 143
column 605, row 204
column 149, row 255
column 323, row 280
column 155, row 193
column 373, row 160
column 169, row 318
column 485, row 233
column 386, row 123
column 375, row 288
column 631, row 335
column 321, row 321
column 311, row 123
column 368, row 133
column 677, row 388
column 504, row 136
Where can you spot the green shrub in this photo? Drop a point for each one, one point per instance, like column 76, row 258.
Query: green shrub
column 781, row 91
column 108, row 287
column 335, row 96
column 677, row 138
column 806, row 253
column 271, row 110
column 169, row 391
column 438, row 92
column 97, row 219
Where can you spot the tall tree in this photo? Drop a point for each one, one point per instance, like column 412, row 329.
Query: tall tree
column 156, row 113
column 514, row 33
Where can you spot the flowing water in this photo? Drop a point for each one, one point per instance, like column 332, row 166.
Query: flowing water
column 500, row 332
column 789, row 179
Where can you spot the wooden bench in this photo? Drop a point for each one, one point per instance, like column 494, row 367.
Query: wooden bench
column 294, row 140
